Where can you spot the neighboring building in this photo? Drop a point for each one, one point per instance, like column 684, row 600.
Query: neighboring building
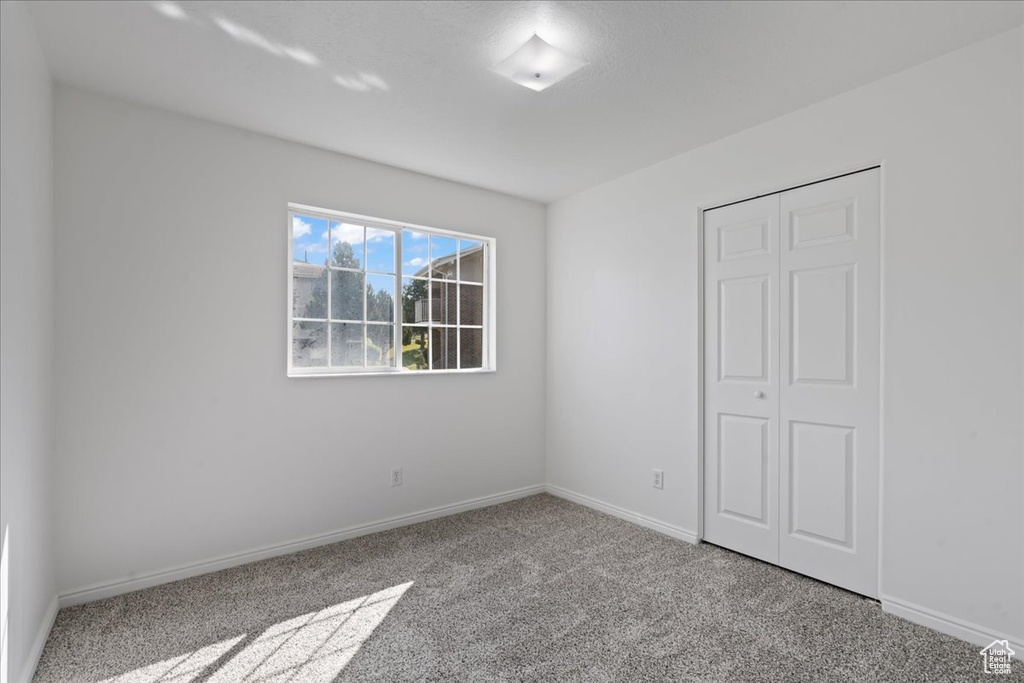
column 304, row 277
column 445, row 294
column 445, row 267
column 309, row 340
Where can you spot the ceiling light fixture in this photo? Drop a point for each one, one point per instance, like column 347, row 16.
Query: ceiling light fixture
column 538, row 65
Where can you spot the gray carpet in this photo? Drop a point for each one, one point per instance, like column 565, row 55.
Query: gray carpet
column 538, row 589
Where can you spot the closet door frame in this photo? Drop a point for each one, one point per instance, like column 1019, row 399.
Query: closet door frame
column 701, row 371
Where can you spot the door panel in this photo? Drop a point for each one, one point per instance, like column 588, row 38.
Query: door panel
column 743, row 240
column 823, row 339
column 743, row 329
column 829, row 403
column 821, row 482
column 741, row 244
column 828, row 223
column 743, row 467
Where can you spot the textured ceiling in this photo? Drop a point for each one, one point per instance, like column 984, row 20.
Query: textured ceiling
column 409, row 84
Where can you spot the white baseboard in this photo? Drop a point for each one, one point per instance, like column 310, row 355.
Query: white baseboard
column 103, row 590
column 40, row 641
column 951, row 626
column 627, row 515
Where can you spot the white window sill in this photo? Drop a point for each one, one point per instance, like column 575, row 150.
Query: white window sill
column 393, row 373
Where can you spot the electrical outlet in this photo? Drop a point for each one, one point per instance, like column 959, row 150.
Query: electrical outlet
column 659, row 479
column 396, row 476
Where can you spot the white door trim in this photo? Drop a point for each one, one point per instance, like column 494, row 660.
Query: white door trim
column 792, row 185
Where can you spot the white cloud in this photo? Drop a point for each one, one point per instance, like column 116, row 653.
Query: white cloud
column 353, row 234
column 300, row 228
column 346, row 232
column 416, row 262
column 339, row 232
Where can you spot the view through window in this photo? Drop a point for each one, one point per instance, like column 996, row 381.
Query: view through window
column 373, row 295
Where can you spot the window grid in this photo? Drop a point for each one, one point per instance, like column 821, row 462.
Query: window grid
column 331, row 321
column 365, row 323
column 398, row 321
column 458, row 283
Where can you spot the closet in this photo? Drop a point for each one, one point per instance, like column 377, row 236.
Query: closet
column 791, row 379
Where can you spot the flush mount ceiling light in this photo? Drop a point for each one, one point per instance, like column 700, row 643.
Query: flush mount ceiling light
column 538, row 65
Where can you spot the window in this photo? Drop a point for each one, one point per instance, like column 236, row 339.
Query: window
column 368, row 295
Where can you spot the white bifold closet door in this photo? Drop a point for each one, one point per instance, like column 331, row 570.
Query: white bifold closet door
column 791, row 379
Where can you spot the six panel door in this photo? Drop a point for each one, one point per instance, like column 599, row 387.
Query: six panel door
column 791, row 377
column 829, row 402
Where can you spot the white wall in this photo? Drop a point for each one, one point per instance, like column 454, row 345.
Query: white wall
column 26, row 333
column 622, row 321
column 179, row 436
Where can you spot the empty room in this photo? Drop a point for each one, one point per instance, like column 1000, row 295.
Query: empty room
column 511, row 341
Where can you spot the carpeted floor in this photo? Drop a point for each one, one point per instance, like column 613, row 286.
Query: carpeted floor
column 538, row 589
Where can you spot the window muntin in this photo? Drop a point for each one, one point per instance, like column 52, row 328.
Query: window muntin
column 443, row 322
column 375, row 296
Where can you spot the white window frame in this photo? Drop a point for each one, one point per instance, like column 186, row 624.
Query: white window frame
column 489, row 327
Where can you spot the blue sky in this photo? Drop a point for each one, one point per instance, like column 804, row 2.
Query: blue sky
column 310, row 237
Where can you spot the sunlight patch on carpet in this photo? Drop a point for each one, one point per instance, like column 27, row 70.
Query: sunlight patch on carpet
column 312, row 647
column 181, row 669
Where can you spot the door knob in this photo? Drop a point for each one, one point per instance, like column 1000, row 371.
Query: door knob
column 758, row 394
